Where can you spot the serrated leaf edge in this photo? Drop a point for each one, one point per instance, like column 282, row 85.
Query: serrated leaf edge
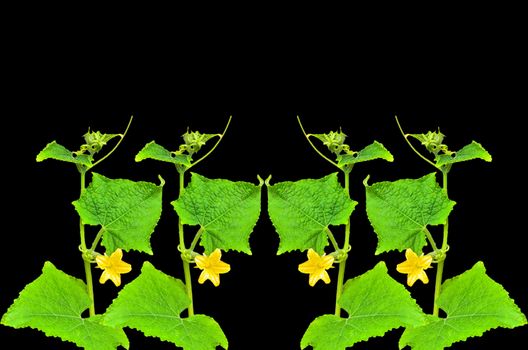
column 49, row 265
column 431, row 318
column 259, row 186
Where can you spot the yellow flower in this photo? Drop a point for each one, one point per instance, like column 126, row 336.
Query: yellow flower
column 113, row 267
column 414, row 267
column 316, row 266
column 212, row 267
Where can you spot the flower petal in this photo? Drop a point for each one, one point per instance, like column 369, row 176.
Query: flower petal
column 216, row 255
column 307, row 267
column 201, row 261
column 411, row 278
column 203, row 277
column 102, row 261
column 325, row 277
column 312, row 255
column 423, row 277
column 122, row 267
column 410, row 255
column 221, row 267
column 313, row 279
column 327, row 261
column 117, row 255
column 215, row 278
column 425, row 261
column 405, row 267
column 104, row 277
column 116, row 278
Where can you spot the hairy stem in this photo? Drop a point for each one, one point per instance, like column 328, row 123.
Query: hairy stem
column 440, row 267
column 87, row 267
column 342, row 264
column 186, row 265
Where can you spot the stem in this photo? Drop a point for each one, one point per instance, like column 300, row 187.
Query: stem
column 313, row 146
column 180, row 224
column 97, row 239
column 196, row 239
column 342, row 264
column 440, row 268
column 412, row 147
column 186, row 265
column 431, row 240
column 332, row 238
column 221, row 136
column 122, row 136
column 188, row 284
column 87, row 267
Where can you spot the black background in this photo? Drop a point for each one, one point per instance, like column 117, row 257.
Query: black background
column 65, row 76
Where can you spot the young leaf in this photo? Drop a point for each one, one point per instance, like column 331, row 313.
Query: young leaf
column 400, row 211
column 373, row 151
column 474, row 304
column 55, row 151
column 226, row 211
column 472, row 151
column 53, row 303
column 128, row 211
column 375, row 304
column 154, row 151
column 301, row 211
column 152, row 304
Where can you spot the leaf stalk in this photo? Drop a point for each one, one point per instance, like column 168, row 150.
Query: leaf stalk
column 87, row 265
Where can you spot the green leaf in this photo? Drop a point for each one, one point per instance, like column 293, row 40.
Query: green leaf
column 375, row 304
column 226, row 211
column 472, row 151
column 55, row 151
column 474, row 304
column 128, row 211
column 152, row 304
column 154, row 151
column 53, row 303
column 373, row 151
column 400, row 211
column 302, row 211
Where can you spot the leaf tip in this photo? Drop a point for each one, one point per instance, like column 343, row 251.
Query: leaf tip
column 162, row 182
column 365, row 182
column 264, row 182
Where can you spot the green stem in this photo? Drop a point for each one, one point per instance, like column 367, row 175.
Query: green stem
column 220, row 137
column 196, row 239
column 332, row 238
column 180, row 224
column 313, row 146
column 186, row 265
column 97, row 239
column 122, row 136
column 431, row 240
column 342, row 264
column 87, row 267
column 188, row 284
column 440, row 267
column 412, row 147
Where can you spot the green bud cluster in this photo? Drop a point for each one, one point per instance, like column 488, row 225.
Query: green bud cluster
column 433, row 142
column 335, row 141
